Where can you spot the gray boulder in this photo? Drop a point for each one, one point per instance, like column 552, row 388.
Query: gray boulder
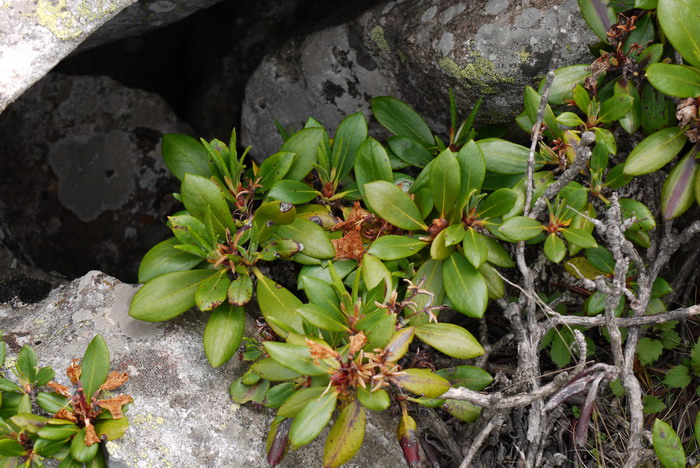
column 414, row 50
column 82, row 166
column 35, row 35
column 182, row 415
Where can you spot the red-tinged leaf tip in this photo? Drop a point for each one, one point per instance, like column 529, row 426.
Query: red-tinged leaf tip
column 279, row 444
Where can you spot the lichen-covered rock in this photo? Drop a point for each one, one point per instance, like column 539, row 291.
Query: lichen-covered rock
column 82, row 168
column 414, row 50
column 37, row 34
column 182, row 415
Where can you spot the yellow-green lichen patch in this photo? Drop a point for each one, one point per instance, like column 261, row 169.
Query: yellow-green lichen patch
column 479, row 73
column 148, row 420
column 113, row 447
column 524, row 56
column 377, row 35
column 69, row 23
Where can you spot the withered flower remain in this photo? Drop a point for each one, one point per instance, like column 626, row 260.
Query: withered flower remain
column 74, row 371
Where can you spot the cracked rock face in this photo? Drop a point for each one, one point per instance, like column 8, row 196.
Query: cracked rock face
column 82, row 166
column 182, row 415
column 414, row 50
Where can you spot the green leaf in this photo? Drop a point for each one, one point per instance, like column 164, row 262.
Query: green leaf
column 598, row 16
column 497, row 203
column 277, row 305
column 11, row 448
column 269, row 217
column 298, row 400
column 164, row 258
column 677, row 377
column 615, row 108
column 520, row 228
column 497, row 254
column 223, row 333
column 240, row 291
column 185, row 155
column 400, row 119
column 681, row 25
column 371, row 163
column 454, row 234
column 410, row 151
column 462, row 410
column 445, row 182
column 494, row 283
column 450, row 339
column 395, row 247
column 212, row 291
column 579, row 237
column 351, row 133
column 649, row 350
column 569, row 119
column 392, row 204
column 271, row 370
column 378, row 400
column 311, row 420
column 111, row 429
column 465, row 286
column 632, row 208
column 674, row 80
column 633, row 119
column 199, row 195
column 658, row 111
column 504, row 157
column 346, row 435
column 473, row 378
column 423, row 382
column 44, row 375
column 472, row 167
column 616, row 177
column 429, row 278
column 278, row 394
column 554, row 248
column 602, row 259
column 655, row 151
column 167, row 296
column 605, row 138
column 677, row 192
column 667, row 444
column 81, row 452
column 330, row 319
column 95, row 367
column 58, row 431
column 292, row 191
column 305, row 144
column 313, row 237
column 439, row 250
column 51, row 402
column 295, row 357
column 398, row 345
column 26, row 364
column 274, row 168
column 242, row 394
column 565, row 79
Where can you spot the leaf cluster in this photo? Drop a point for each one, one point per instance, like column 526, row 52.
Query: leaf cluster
column 76, row 423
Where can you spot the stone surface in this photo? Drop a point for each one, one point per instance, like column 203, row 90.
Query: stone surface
column 414, row 50
column 182, row 415
column 83, row 178
column 144, row 16
column 36, row 34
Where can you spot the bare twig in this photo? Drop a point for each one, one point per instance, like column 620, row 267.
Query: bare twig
column 494, row 423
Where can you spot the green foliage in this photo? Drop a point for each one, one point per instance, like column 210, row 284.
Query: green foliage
column 389, row 233
column 42, row 420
